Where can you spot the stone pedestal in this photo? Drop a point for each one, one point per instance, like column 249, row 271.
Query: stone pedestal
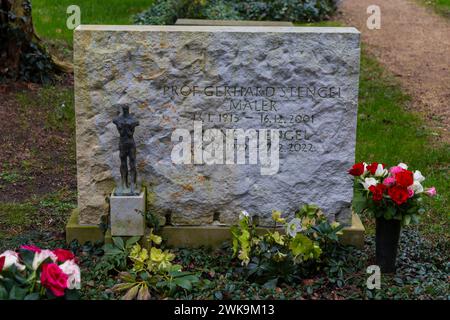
column 126, row 213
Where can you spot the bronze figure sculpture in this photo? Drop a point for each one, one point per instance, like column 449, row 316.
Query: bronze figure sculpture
column 126, row 124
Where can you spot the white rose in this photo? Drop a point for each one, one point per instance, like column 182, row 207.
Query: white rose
column 380, row 172
column 418, row 176
column 403, row 165
column 12, row 258
column 39, row 257
column 365, row 168
column 71, row 269
column 417, row 187
column 369, row 182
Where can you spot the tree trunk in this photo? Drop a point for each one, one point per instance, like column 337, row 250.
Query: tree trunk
column 17, row 33
column 21, row 52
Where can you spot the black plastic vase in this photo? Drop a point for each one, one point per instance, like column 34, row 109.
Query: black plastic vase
column 387, row 236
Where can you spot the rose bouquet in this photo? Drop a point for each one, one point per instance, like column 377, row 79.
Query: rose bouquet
column 394, row 197
column 32, row 273
column 394, row 193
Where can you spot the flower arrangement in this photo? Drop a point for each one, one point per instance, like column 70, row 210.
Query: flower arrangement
column 32, row 273
column 277, row 254
column 394, row 193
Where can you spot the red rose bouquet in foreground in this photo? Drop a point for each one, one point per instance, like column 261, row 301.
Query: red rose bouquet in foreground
column 33, row 273
column 394, row 193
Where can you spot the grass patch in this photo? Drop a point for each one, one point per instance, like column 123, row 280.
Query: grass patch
column 389, row 133
column 440, row 6
column 16, row 214
column 49, row 16
column 59, row 101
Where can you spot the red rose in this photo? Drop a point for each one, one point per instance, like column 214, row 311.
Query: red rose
column 2, row 262
column 372, row 167
column 404, row 178
column 53, row 278
column 377, row 191
column 357, row 169
column 63, row 255
column 398, row 194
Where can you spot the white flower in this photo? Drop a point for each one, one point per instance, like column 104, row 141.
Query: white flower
column 244, row 214
column 418, row 176
column 12, row 258
column 380, row 172
column 39, row 257
column 403, row 165
column 369, row 182
column 71, row 269
column 365, row 168
column 417, row 187
column 294, row 227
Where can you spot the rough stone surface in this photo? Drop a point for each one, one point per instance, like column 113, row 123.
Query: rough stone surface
column 127, row 215
column 134, row 64
column 242, row 23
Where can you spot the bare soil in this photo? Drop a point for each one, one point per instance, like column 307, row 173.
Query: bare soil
column 414, row 44
column 35, row 159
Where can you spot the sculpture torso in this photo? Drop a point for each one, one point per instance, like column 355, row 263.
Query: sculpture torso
column 126, row 124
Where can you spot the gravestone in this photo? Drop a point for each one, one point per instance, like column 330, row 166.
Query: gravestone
column 288, row 89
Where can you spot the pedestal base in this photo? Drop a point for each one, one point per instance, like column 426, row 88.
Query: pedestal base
column 126, row 214
column 82, row 232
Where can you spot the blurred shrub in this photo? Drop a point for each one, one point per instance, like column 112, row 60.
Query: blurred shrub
column 168, row 11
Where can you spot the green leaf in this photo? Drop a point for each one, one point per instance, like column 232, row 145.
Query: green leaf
column 415, row 218
column 131, row 241
column 123, row 286
column 32, row 296
column 218, row 295
column 132, row 293
column 359, row 203
column 183, row 282
column 17, row 293
column 388, row 215
column 127, row 277
column 118, row 242
column 72, row 295
column 3, row 293
column 113, row 251
column 144, row 293
column 271, row 284
column 27, row 257
column 406, row 220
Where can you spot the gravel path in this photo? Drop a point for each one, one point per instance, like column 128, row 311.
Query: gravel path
column 414, row 44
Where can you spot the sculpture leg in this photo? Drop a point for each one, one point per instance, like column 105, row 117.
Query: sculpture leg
column 133, row 172
column 124, row 172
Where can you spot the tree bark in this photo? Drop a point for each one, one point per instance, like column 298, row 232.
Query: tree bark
column 17, row 33
column 17, row 36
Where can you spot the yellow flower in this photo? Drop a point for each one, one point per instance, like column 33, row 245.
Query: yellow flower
column 139, row 257
column 243, row 256
column 156, row 255
column 277, row 237
column 154, row 238
column 161, row 259
column 276, row 216
column 308, row 222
